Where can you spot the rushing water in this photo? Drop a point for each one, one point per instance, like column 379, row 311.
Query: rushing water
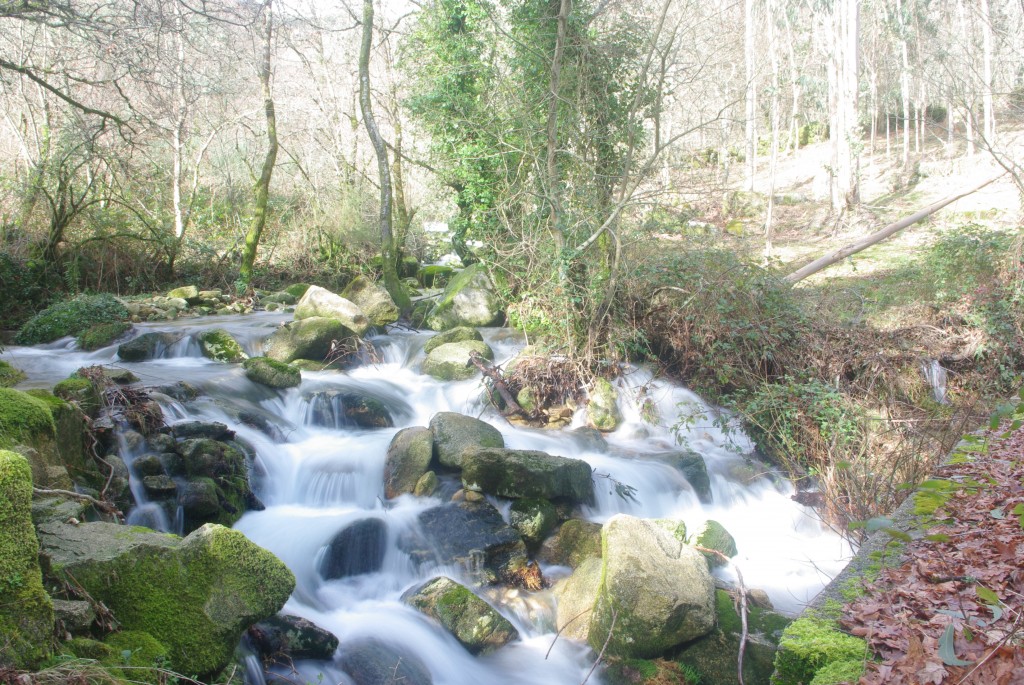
column 315, row 480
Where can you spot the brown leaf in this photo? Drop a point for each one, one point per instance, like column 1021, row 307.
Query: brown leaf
column 931, row 673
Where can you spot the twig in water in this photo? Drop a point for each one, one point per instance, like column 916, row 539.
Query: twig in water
column 552, row 646
column 742, row 601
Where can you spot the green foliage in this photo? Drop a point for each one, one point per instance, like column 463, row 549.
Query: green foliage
column 19, row 290
column 809, row 645
column 70, row 317
column 102, row 334
column 10, row 375
column 964, row 259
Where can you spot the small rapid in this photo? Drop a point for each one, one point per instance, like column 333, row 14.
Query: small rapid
column 318, row 473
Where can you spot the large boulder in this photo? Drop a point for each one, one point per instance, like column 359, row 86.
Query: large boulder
column 471, row 620
column 656, row 589
column 454, row 434
column 196, row 595
column 271, row 373
column 218, row 489
column 603, row 409
column 457, row 334
column 355, row 550
column 314, row 338
column 468, row 300
column 27, row 426
column 26, row 613
column 189, row 293
column 472, row 535
column 575, row 542
column 146, row 346
column 319, row 302
column 527, row 473
column 713, row 536
column 219, row 345
column 373, row 299
column 408, row 459
column 694, row 469
column 451, row 361
column 369, row 661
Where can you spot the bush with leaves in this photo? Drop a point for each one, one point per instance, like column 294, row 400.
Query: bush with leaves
column 71, row 317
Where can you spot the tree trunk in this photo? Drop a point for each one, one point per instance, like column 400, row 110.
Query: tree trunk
column 904, row 83
column 989, row 130
column 877, row 237
column 846, row 128
column 262, row 188
column 750, row 95
column 387, row 243
column 553, row 190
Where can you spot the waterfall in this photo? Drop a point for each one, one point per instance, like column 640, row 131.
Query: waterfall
column 318, row 475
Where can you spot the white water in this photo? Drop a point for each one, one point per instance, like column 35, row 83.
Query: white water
column 315, row 481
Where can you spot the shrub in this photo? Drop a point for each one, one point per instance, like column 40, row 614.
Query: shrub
column 70, row 317
column 18, row 290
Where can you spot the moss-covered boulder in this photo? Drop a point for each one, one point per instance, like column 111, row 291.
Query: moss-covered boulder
column 319, row 302
column 102, row 334
column 656, row 589
column 372, row 299
column 713, row 535
column 451, row 361
column 603, row 409
column 427, row 485
column 454, row 434
column 26, row 613
column 84, row 392
column 534, row 518
column 471, row 620
column 70, row 317
column 271, row 373
column 195, row 595
column 219, row 345
column 217, row 489
column 10, row 375
column 189, row 293
column 136, row 656
column 310, row 338
column 527, row 473
column 469, row 299
column 408, row 266
column 472, row 535
column 27, row 426
column 146, row 346
column 434, row 275
column 344, row 409
column 408, row 458
column 694, row 469
column 809, row 645
column 297, row 290
column 575, row 542
column 457, row 334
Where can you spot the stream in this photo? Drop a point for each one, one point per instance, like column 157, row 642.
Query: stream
column 317, row 479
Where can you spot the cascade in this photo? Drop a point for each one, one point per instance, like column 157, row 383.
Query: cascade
column 318, row 475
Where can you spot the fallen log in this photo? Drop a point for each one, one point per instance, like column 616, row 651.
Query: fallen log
column 512, row 407
column 878, row 236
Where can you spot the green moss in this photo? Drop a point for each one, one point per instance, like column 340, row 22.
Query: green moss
column 26, row 613
column 10, row 375
column 271, row 372
column 713, row 535
column 102, row 334
column 839, row 672
column 810, row 644
column 85, row 648
column 136, row 656
column 649, row 672
column 759, row 621
column 219, row 345
column 23, row 418
column 70, row 317
column 297, row 289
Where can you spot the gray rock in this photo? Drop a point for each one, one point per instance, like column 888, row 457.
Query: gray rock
column 76, row 616
column 455, row 433
column 355, row 550
column 322, row 303
column 657, row 589
column 426, row 485
column 221, row 346
column 457, row 334
column 468, row 300
column 576, row 596
column 471, row 620
column 214, row 430
column 292, row 637
column 575, row 542
column 315, row 338
column 334, row 409
column 527, row 473
column 369, row 661
column 373, row 300
column 451, row 361
column 146, row 346
column 533, row 518
column 408, row 459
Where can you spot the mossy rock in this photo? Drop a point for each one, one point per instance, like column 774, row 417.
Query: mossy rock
column 603, row 409
column 297, row 290
column 136, row 656
column 575, row 542
column 315, row 337
column 272, row 373
column 102, row 334
column 648, row 672
column 408, row 266
column 24, row 419
column 456, row 433
column 26, row 613
column 434, row 275
column 471, row 620
column 457, row 334
column 87, row 648
column 713, row 535
column 533, row 518
column 219, row 345
column 451, row 361
column 189, row 293
column 839, row 672
column 195, row 595
column 408, row 458
column 70, row 317
column 373, row 299
column 808, row 645
column 10, row 375
column 146, row 346
column 527, row 474
column 469, row 299
column 82, row 392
